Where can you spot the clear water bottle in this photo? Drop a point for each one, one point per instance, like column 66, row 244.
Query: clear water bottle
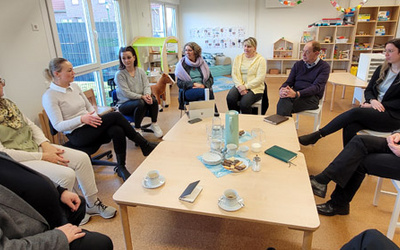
column 216, row 132
column 256, row 166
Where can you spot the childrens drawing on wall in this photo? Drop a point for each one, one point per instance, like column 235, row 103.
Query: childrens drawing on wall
column 219, row 37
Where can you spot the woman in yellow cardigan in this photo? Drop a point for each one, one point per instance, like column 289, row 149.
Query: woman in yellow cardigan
column 248, row 74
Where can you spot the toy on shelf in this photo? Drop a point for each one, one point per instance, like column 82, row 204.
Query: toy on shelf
column 348, row 19
column 344, row 54
column 383, row 16
column 327, row 22
column 380, row 31
column 283, row 48
column 341, row 39
column 307, row 36
column 322, row 53
column 327, row 39
column 364, row 17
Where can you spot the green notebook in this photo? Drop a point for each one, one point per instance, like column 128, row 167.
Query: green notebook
column 281, row 153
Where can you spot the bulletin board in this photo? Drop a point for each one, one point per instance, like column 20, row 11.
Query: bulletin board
column 219, row 37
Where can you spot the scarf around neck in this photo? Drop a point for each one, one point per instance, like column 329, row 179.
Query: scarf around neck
column 181, row 73
column 10, row 115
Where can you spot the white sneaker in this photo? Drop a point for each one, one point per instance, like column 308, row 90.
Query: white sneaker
column 157, row 130
column 85, row 219
column 100, row 209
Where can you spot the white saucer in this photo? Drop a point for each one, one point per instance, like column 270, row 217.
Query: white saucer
column 224, row 206
column 146, row 185
column 211, row 158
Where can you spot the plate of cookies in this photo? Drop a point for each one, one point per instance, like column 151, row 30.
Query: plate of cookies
column 235, row 164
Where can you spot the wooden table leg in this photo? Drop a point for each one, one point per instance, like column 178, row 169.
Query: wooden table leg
column 125, row 226
column 307, row 240
column 333, row 95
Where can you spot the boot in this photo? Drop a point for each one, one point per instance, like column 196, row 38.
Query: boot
column 310, row 138
column 120, row 169
column 145, row 145
column 148, row 148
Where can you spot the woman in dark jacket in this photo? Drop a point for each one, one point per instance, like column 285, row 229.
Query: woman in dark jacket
column 381, row 109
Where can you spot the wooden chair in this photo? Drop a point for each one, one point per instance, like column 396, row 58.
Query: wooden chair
column 101, row 110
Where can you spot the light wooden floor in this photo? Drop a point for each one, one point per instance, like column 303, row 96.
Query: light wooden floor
column 161, row 229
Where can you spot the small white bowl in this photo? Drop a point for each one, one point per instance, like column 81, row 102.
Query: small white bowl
column 256, row 147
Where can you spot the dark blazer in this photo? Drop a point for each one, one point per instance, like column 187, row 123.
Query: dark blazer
column 22, row 227
column 391, row 99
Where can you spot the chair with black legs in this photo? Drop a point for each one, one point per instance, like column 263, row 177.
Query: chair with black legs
column 113, row 94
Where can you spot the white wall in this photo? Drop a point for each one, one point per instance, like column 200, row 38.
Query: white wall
column 212, row 13
column 23, row 53
column 267, row 25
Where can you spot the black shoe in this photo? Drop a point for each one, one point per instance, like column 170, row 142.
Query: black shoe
column 318, row 188
column 329, row 209
column 310, row 138
column 122, row 172
column 149, row 148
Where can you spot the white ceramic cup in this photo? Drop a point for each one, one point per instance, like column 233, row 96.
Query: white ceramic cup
column 231, row 149
column 153, row 177
column 243, row 150
column 256, row 147
column 230, row 197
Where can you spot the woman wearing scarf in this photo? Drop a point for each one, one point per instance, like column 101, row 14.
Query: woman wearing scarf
column 248, row 74
column 25, row 142
column 193, row 75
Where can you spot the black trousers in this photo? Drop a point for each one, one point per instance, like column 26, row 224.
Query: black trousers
column 138, row 108
column 370, row 239
column 245, row 101
column 357, row 119
column 287, row 106
column 362, row 155
column 114, row 126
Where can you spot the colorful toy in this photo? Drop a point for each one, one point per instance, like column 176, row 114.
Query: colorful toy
column 158, row 90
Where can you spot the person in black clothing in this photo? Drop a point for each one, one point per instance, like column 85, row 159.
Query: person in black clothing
column 37, row 214
column 364, row 154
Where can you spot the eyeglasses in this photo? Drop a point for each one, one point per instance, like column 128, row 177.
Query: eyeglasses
column 3, row 82
column 389, row 51
column 307, row 52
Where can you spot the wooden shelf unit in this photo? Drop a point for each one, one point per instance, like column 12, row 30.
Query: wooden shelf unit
column 366, row 30
column 335, row 44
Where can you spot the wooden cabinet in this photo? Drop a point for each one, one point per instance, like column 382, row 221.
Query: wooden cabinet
column 369, row 37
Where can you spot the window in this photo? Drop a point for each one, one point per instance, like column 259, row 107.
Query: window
column 88, row 34
column 163, row 17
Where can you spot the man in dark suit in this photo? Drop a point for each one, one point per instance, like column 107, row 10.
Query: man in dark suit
column 37, row 214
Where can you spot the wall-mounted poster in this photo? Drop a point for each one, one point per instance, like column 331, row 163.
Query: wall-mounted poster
column 219, row 37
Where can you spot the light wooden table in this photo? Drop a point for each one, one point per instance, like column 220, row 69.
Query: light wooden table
column 284, row 134
column 344, row 79
column 267, row 194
